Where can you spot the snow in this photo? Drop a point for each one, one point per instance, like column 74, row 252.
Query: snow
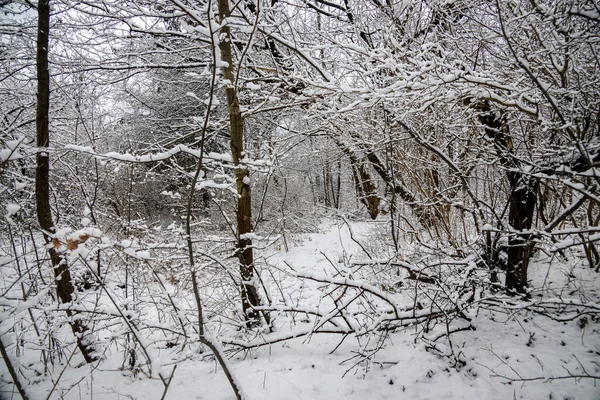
column 8, row 154
column 126, row 157
column 143, row 254
column 93, row 232
column 250, row 236
column 20, row 185
column 171, row 194
column 12, row 209
column 209, row 183
column 219, row 157
column 509, row 342
column 252, row 86
column 192, row 95
column 127, row 243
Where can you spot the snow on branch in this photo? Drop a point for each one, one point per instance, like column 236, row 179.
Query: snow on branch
column 161, row 156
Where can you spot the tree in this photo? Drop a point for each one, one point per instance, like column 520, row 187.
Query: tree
column 189, row 132
column 250, row 297
column 507, row 89
column 64, row 284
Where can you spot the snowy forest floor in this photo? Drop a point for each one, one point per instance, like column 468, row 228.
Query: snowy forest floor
column 511, row 354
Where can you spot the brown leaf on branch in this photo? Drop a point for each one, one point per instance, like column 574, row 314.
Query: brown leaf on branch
column 72, row 244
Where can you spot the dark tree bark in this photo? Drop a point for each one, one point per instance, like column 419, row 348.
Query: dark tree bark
column 13, row 372
column 250, row 297
column 327, row 184
column 522, row 200
column 333, row 184
column 64, row 284
column 366, row 189
column 524, row 189
column 338, row 185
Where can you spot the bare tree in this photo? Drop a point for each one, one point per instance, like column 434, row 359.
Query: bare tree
column 64, row 284
column 250, row 296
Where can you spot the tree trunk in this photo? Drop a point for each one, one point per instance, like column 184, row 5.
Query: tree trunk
column 326, row 185
column 338, row 187
column 366, row 189
column 423, row 214
column 523, row 197
column 64, row 284
column 250, row 297
column 522, row 200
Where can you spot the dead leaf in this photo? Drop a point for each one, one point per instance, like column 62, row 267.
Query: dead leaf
column 72, row 244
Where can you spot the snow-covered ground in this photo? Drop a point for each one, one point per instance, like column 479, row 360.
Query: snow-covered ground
column 512, row 353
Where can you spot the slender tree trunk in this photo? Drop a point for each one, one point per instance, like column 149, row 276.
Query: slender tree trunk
column 326, row 186
column 338, row 187
column 250, row 297
column 13, row 373
column 366, row 189
column 423, row 214
column 64, row 284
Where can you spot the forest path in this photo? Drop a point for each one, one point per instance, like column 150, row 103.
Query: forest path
column 324, row 366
